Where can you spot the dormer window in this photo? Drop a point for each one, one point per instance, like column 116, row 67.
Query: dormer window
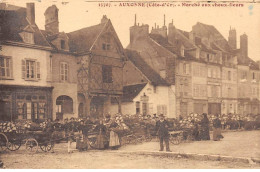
column 163, row 73
column 28, row 37
column 62, row 44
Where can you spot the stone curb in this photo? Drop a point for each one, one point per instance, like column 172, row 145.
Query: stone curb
column 203, row 157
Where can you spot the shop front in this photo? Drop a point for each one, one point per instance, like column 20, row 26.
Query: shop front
column 25, row 103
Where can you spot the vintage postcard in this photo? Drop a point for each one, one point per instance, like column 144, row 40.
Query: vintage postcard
column 129, row 84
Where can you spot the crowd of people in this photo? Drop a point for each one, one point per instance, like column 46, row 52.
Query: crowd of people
column 106, row 129
column 109, row 130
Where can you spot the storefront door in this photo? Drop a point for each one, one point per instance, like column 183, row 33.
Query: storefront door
column 214, row 108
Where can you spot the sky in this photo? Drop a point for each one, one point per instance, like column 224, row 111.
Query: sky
column 77, row 14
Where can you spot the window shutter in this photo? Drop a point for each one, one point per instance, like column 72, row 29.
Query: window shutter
column 60, row 71
column 67, row 71
column 11, row 67
column 23, row 69
column 38, row 70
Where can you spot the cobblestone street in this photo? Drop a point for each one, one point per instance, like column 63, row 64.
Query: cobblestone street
column 236, row 144
column 104, row 159
column 247, row 147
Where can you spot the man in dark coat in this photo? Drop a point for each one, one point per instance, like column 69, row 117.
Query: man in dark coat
column 204, row 134
column 162, row 129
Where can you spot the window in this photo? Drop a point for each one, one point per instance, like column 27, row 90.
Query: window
column 202, row 90
column 234, row 76
column 254, row 91
column 181, row 68
column 162, row 109
column 64, row 71
column 31, row 69
column 137, row 107
column 186, row 68
column 106, row 45
column 5, row 67
column 149, row 91
column 203, row 71
column 28, row 37
column 214, row 75
column 163, row 73
column 229, row 92
column 230, row 106
column 229, row 75
column 181, row 90
column 182, row 50
column 145, row 108
column 209, row 91
column 208, row 58
column 107, row 74
column 62, row 44
column 244, row 75
column 199, row 90
column 209, row 72
column 196, row 71
column 253, row 75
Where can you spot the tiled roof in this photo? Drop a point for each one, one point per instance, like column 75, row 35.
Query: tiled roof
column 131, row 91
column 151, row 74
column 13, row 21
column 246, row 61
column 83, row 39
column 184, row 38
column 164, row 42
column 209, row 30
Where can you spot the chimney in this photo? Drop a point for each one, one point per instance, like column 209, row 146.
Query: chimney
column 244, row 45
column 232, row 38
column 104, row 19
column 52, row 19
column 137, row 32
column 30, row 12
column 191, row 36
column 171, row 33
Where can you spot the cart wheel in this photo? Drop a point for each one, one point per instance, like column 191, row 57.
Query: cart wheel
column 148, row 138
column 175, row 140
column 189, row 138
column 92, row 141
column 3, row 142
column 31, row 145
column 46, row 147
column 14, row 145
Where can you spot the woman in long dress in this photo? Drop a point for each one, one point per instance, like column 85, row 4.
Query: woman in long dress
column 114, row 141
column 204, row 134
column 217, row 129
column 101, row 138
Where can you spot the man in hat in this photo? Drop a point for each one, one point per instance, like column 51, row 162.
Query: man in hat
column 162, row 129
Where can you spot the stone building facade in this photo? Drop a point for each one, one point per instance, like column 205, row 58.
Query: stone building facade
column 62, row 75
column 25, row 77
column 210, row 74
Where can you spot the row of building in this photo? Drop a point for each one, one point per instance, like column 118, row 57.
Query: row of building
column 87, row 72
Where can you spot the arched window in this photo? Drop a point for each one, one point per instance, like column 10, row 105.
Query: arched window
column 64, row 104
